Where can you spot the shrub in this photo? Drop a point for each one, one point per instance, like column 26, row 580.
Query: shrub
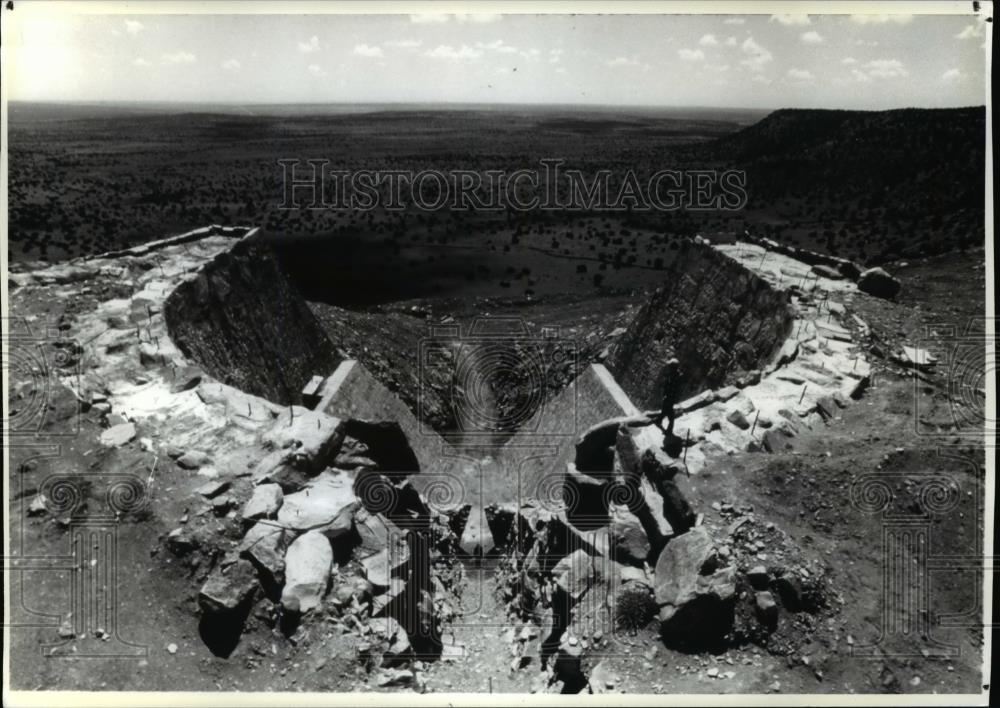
column 634, row 608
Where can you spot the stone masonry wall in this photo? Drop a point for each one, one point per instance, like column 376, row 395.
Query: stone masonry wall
column 718, row 318
column 242, row 320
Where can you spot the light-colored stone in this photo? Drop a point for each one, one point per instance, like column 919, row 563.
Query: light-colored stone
column 118, row 435
column 690, row 585
column 213, row 488
column 193, row 459
column 326, row 503
column 307, row 572
column 575, row 574
column 228, row 587
column 265, row 544
column 311, row 437
column 264, row 503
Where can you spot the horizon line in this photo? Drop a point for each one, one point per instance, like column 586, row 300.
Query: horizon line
column 503, row 104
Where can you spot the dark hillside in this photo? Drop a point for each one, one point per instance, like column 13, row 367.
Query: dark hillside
column 873, row 186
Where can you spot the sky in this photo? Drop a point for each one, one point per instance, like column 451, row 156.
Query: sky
column 747, row 61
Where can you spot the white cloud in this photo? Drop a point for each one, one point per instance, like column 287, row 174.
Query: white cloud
column 880, row 69
column 310, row 46
column 561, row 70
column 497, row 45
column 886, row 69
column 231, row 65
column 812, row 37
column 445, row 51
column 134, row 26
column 555, row 55
column 971, row 32
column 708, row 40
column 480, row 18
column 734, row 21
column 952, row 75
column 847, row 61
column 757, row 56
column 140, row 62
column 627, row 62
column 690, row 54
column 364, row 50
column 405, row 43
column 315, row 70
column 178, row 58
column 796, row 20
column 881, row 19
column 731, row 42
column 761, row 79
column 800, row 75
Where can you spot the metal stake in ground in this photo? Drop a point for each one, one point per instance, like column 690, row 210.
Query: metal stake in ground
column 754, row 423
column 687, row 442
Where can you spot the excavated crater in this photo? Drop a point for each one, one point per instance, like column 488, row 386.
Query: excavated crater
column 245, row 321
column 513, row 452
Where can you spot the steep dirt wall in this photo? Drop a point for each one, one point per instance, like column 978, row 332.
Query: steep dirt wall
column 243, row 322
column 719, row 319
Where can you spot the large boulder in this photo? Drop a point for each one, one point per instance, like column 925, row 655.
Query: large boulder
column 875, row 281
column 264, row 545
column 694, row 593
column 575, row 574
column 118, row 435
column 309, row 438
column 628, row 541
column 264, row 503
column 307, row 572
column 227, row 588
column 327, row 503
